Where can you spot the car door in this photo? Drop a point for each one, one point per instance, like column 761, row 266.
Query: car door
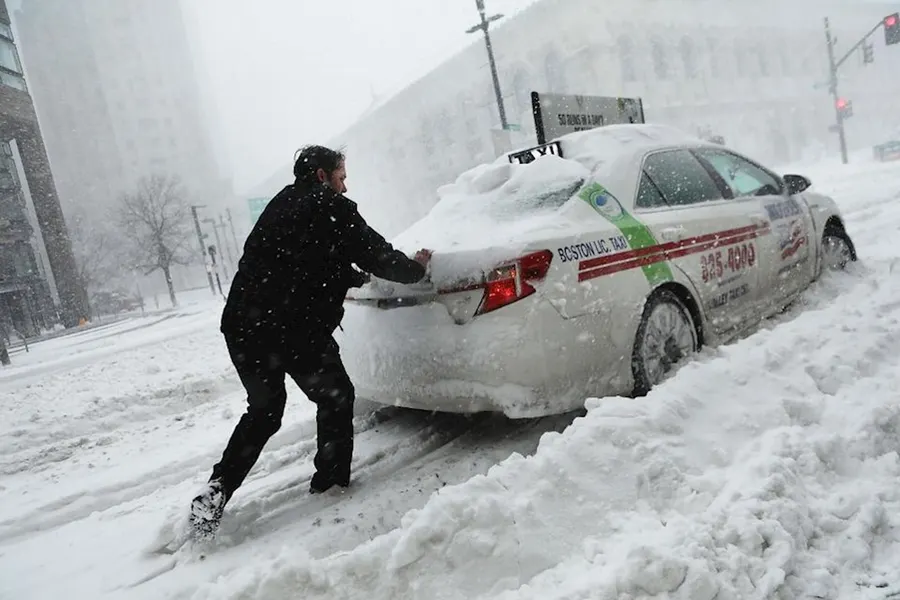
column 786, row 256
column 709, row 237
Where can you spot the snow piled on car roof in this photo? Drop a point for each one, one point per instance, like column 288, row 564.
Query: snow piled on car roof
column 496, row 204
column 507, row 203
column 605, row 146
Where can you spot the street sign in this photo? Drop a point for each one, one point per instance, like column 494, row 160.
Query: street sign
column 256, row 206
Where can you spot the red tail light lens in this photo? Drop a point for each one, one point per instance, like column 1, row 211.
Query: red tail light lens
column 510, row 283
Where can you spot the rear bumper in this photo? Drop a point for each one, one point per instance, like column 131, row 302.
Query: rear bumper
column 523, row 360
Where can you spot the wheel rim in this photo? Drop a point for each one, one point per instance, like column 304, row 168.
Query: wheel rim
column 668, row 337
column 835, row 252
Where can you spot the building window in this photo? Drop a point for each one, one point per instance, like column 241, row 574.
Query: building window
column 742, row 59
column 13, row 81
column 715, row 62
column 6, row 31
column 520, row 88
column 763, row 60
column 626, row 58
column 660, row 63
column 9, row 58
column 556, row 76
column 688, row 57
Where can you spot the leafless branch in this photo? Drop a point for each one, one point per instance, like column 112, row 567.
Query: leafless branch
column 156, row 219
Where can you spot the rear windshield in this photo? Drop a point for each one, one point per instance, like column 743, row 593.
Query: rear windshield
column 530, row 203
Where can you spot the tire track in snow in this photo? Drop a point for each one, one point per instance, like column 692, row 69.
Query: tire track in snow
column 396, row 474
column 81, row 504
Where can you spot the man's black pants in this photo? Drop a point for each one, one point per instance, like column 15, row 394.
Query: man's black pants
column 322, row 377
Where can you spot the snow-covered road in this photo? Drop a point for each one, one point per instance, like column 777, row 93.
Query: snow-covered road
column 108, row 433
column 768, row 468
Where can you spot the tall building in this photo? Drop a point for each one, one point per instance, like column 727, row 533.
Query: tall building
column 751, row 72
column 31, row 220
column 117, row 94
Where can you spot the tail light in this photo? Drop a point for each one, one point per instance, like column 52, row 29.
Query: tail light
column 511, row 282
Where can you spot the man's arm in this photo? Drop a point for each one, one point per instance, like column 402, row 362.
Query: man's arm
column 375, row 255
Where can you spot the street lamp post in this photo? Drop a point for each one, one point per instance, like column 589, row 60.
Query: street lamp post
column 212, row 286
column 483, row 27
column 215, row 227
column 227, row 245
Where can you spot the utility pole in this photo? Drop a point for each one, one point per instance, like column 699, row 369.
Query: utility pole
column 227, row 245
column 215, row 227
column 209, row 277
column 833, row 88
column 483, row 27
column 842, row 107
column 237, row 246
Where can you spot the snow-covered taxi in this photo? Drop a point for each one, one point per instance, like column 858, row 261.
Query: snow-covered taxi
column 591, row 268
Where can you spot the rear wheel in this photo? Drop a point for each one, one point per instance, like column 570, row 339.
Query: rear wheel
column 667, row 334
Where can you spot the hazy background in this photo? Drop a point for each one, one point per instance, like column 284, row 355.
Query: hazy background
column 309, row 68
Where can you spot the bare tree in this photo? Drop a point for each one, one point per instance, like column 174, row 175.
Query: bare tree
column 156, row 219
column 97, row 249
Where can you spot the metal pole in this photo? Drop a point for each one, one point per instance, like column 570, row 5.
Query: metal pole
column 218, row 244
column 212, row 286
column 484, row 26
column 237, row 246
column 833, row 88
column 227, row 245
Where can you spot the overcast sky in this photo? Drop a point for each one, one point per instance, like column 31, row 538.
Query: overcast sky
column 288, row 72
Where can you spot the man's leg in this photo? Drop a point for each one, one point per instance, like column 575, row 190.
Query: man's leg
column 327, row 384
column 263, row 378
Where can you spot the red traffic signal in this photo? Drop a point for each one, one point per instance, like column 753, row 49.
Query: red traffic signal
column 844, row 108
column 892, row 29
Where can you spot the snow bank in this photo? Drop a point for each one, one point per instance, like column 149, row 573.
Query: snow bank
column 766, row 468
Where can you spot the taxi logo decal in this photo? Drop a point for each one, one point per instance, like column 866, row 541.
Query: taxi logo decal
column 636, row 234
column 792, row 239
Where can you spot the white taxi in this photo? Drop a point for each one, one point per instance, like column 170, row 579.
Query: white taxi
column 589, row 266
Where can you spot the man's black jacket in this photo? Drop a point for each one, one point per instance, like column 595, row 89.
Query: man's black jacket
column 297, row 267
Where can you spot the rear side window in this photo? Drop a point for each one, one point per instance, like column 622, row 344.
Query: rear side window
column 680, row 177
column 648, row 195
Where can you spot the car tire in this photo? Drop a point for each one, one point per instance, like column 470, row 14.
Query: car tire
column 651, row 360
column 837, row 249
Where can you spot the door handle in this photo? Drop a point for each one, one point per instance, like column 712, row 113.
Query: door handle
column 673, row 234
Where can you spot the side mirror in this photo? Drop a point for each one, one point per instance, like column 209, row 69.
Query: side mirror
column 796, row 184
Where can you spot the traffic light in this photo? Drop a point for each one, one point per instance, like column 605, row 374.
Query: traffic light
column 844, row 108
column 868, row 53
column 892, row 29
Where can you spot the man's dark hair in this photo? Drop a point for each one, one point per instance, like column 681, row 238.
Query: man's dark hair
column 310, row 159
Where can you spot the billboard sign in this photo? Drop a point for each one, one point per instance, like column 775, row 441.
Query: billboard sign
column 556, row 115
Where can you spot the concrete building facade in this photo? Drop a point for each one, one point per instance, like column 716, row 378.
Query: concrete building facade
column 116, row 90
column 32, row 226
column 745, row 70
